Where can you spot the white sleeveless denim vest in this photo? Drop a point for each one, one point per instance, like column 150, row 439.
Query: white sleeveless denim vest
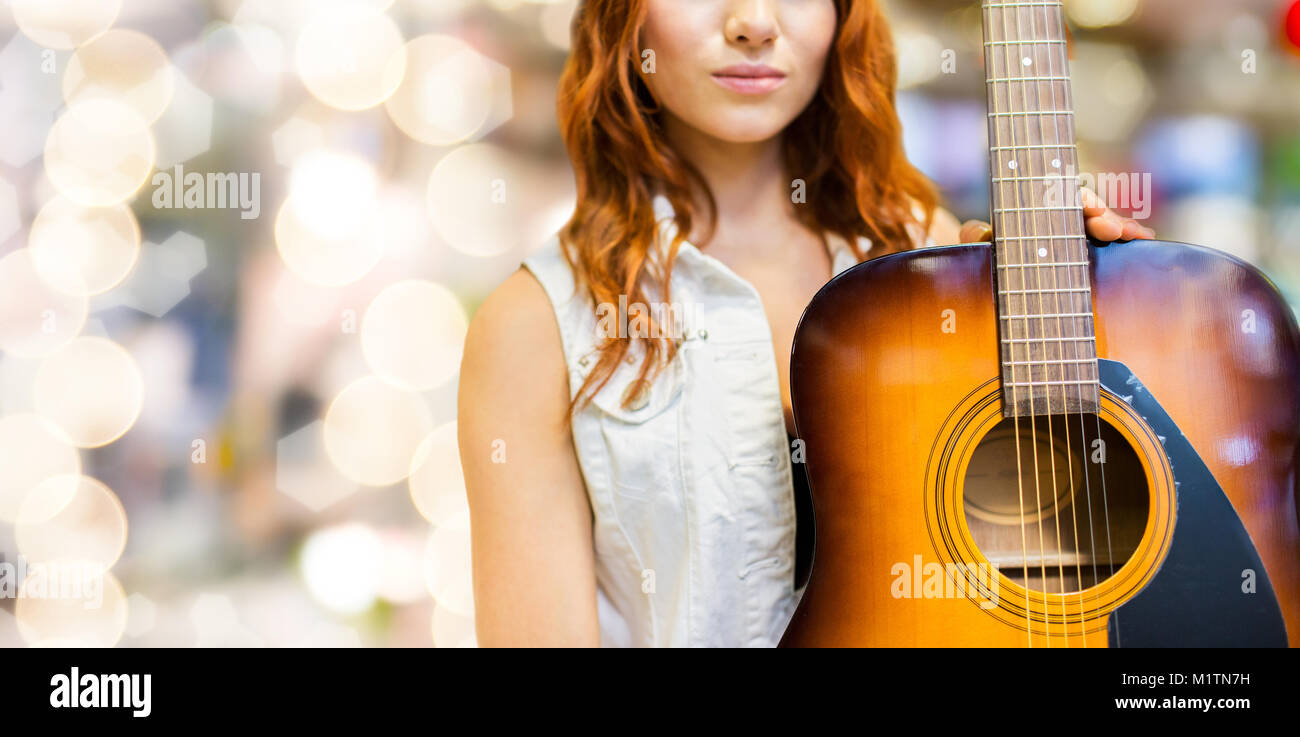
column 691, row 487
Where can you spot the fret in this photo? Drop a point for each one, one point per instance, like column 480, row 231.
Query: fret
column 1048, row 316
column 1032, row 148
column 1052, row 177
column 991, row 80
column 1022, row 5
column 997, row 211
column 1040, row 237
column 1031, row 112
column 1048, row 344
column 1085, row 357
column 1074, row 368
column 1060, row 339
column 1044, row 291
column 1052, row 265
column 1053, row 362
column 1025, row 43
column 1052, row 383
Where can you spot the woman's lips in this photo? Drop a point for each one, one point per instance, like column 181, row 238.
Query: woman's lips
column 749, row 79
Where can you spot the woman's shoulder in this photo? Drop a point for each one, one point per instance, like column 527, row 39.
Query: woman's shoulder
column 517, row 324
column 515, row 318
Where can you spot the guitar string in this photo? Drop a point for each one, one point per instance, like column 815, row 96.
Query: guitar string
column 1083, row 433
column 1060, row 345
column 1031, row 71
column 1033, row 405
column 1110, row 555
column 991, row 59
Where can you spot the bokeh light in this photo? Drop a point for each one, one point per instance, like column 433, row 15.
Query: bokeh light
column 412, row 334
column 1291, row 25
column 121, row 65
column 372, row 430
column 1100, row 13
column 444, row 96
column 64, row 24
column 328, row 231
column 91, row 390
column 437, row 481
column 401, row 573
column 471, row 194
column 451, row 629
column 325, row 259
column 83, row 250
column 448, row 566
column 94, row 619
column 1111, row 91
column 295, row 137
column 333, row 192
column 88, row 526
column 99, row 152
column 338, row 566
column 350, row 56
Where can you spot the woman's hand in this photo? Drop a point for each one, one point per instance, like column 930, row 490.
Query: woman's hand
column 1106, row 225
column 1099, row 221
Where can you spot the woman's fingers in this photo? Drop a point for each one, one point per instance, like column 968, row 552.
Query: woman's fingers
column 1101, row 223
column 1105, row 227
column 1135, row 230
column 976, row 231
column 1105, row 224
column 1092, row 204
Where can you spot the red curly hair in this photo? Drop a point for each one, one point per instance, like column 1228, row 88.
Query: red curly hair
column 847, row 147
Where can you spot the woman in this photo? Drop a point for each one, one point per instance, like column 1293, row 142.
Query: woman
column 625, row 401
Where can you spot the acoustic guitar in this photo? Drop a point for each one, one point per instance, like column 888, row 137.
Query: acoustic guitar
column 1048, row 441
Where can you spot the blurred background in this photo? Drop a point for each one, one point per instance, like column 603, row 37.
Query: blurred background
column 240, row 241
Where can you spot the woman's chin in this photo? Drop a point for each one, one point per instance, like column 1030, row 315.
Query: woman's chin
column 745, row 127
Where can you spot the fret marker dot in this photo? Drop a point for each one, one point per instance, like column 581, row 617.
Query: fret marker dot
column 1042, row 253
column 1056, row 163
column 1028, row 62
column 1012, row 165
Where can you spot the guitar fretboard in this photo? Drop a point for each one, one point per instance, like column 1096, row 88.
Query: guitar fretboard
column 1044, row 299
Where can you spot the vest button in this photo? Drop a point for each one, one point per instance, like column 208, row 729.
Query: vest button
column 704, row 334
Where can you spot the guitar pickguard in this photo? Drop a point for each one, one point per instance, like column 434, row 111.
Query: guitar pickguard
column 1212, row 589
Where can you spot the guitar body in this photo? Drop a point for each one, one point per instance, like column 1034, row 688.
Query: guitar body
column 1166, row 518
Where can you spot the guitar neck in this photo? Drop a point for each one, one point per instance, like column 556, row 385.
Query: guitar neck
column 1041, row 252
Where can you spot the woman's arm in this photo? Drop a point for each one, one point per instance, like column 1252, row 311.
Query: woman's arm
column 534, row 573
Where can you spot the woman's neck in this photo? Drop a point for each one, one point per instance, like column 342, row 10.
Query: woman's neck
column 748, row 181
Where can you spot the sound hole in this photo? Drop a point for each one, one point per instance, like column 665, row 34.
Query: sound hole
column 1076, row 515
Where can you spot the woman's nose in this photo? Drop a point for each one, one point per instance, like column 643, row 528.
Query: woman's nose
column 752, row 22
